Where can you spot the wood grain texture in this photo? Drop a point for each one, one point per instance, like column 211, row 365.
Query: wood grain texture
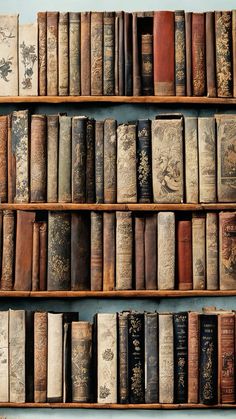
column 153, row 406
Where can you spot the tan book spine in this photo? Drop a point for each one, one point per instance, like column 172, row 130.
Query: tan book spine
column 54, row 357
column 191, row 159
column 226, row 356
column 74, row 53
column 52, row 157
column 166, row 251
column 227, row 244
column 42, row 53
column 96, row 53
column 85, row 54
column 109, row 251
column 166, row 358
column 126, row 163
column 212, row 251
column 64, row 159
column 40, row 357
column 193, row 357
column 207, row 159
column 63, row 54
column 9, row 54
column 17, row 334
column 28, row 59
column 110, row 162
column 3, row 158
column 4, row 356
column 199, row 253
column 124, row 247
column 38, row 160
column 35, row 258
column 52, row 53
column 96, row 260
column 8, row 249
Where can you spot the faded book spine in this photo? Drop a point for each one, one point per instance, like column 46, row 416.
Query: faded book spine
column 223, row 45
column 4, row 356
column 109, row 53
column 139, row 244
column 54, row 357
column 166, row 250
column 193, row 357
column 8, row 250
column 184, row 248
column 188, row 38
column 166, row 359
column 147, row 64
column 121, row 57
column 81, row 361
column 38, row 159
column 126, row 163
column 52, row 53
column 42, row 53
column 20, row 155
column 79, row 159
column 180, row 322
column 63, row 54
column 28, row 59
column 210, row 54
column 180, row 63
column 64, row 160
column 97, row 53
column 52, row 157
column 99, row 161
column 212, row 251
column 144, row 161
column 85, row 53
column 17, row 335
column 198, row 54
column 151, row 357
column 109, row 251
column 226, row 356
column 150, row 246
column 110, row 165
column 9, row 54
column 90, row 161
column 123, row 392
column 35, row 257
column 207, row 159
column 191, row 159
column 40, row 356
column 124, row 250
column 43, row 237
column 234, row 50
column 80, row 251
column 227, row 242
column 3, row 158
column 96, row 259
column 136, row 358
column 199, row 253
column 74, row 53
column 136, row 61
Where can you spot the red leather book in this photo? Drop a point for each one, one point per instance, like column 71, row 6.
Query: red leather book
column 184, row 243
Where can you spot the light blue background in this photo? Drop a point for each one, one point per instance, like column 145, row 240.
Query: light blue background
column 86, row 308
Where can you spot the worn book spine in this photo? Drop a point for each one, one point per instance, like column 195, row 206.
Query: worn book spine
column 116, row 60
column 90, row 161
column 4, row 356
column 109, row 53
column 52, row 157
column 210, row 54
column 110, row 165
column 1, row 242
column 180, row 323
column 38, row 159
column 226, row 356
column 17, row 336
column 74, row 53
column 43, row 238
column 106, row 358
column 191, row 159
column 20, row 155
column 128, row 55
column 144, row 161
column 188, row 40
column 79, row 124
column 164, row 64
column 54, row 357
column 80, row 251
column 109, row 251
column 52, row 53
column 193, row 357
column 151, row 357
column 3, row 158
column 96, row 259
column 123, row 389
column 42, row 53
column 126, row 163
column 198, row 54
column 29, row 356
column 11, row 163
column 35, row 257
column 227, row 242
column 198, row 252
column 139, row 251
column 24, row 247
column 208, row 368
column 166, row 250
column 85, row 53
column 223, row 47
column 40, row 356
column 99, row 161
column 124, row 250
column 184, row 246
column 64, row 159
column 67, row 355
column 136, row 59
column 97, row 53
column 180, row 62
column 63, row 54
column 212, row 256
column 28, row 59
column 81, row 361
column 136, row 358
column 166, row 358
column 207, row 159
column 234, row 51
column 9, row 54
column 150, row 248
column 8, row 250
column 121, row 55
column 147, row 64
column 58, row 269
column 167, row 188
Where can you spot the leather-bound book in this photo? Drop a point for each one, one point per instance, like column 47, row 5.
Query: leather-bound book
column 96, row 258
column 198, row 54
column 96, row 53
column 29, row 357
column 116, row 53
column 212, row 256
column 150, row 246
column 223, row 45
column 108, row 53
column 68, row 318
column 55, row 357
column 144, row 161
column 39, row 261
column 167, row 140
column 4, row 356
column 128, row 55
column 40, row 356
column 74, row 53
column 191, row 159
column 42, row 53
column 35, row 257
column 79, row 124
column 124, row 250
column 208, row 356
column 198, row 251
column 180, row 322
column 166, row 358
column 107, row 358
column 139, row 244
column 166, row 250
column 64, row 159
column 226, row 356
column 188, row 39
column 193, row 357
column 85, row 53
column 184, row 246
column 38, row 159
column 99, row 161
column 110, row 164
column 136, row 357
column 17, row 352
column 81, row 361
column 164, row 64
column 9, row 54
column 52, row 157
column 210, row 54
column 8, row 250
column 109, row 250
column 126, row 163
column 123, row 389
column 11, row 165
column 234, row 50
column 207, row 159
column 151, row 357
column 1, row 241
column 63, row 54
column 58, row 268
column 147, row 64
column 136, row 59
column 80, row 251
column 180, row 52
column 227, row 243
column 24, row 247
column 90, row 161
column 52, row 53
column 121, row 54
column 226, row 179
column 3, row 158
column 28, row 59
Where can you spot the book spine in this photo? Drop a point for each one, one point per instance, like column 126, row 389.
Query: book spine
column 81, row 361
column 99, row 161
column 54, row 357
column 191, row 159
column 136, row 358
column 151, row 357
column 64, row 159
column 28, row 59
column 85, row 53
column 110, row 165
column 144, row 162
column 38, row 159
column 180, row 64
column 9, row 55
column 128, row 55
column 109, row 251
column 4, row 356
column 52, row 53
column 188, row 38
column 17, row 347
column 166, row 359
column 116, row 60
column 3, row 158
column 74, row 53
column 139, row 242
column 63, row 54
column 227, row 242
column 121, row 55
column 180, row 322
column 80, row 251
column 42, row 53
column 29, row 357
column 35, row 257
column 109, row 53
column 52, row 157
column 207, row 159
column 136, row 60
column 40, row 357
column 8, row 250
column 210, row 54
column 223, row 45
column 199, row 254
column 212, row 251
column 79, row 159
column 166, row 250
column 193, row 357
column 184, row 246
column 147, row 64
column 234, row 51
column 126, row 163
column 43, row 237
column 97, row 53
column 124, row 250
column 123, row 392
column 198, row 54
column 11, row 164
column 226, row 356
column 90, row 161
column 20, row 155
column 96, row 260
column 150, row 246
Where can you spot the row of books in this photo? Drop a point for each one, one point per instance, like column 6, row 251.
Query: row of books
column 170, row 159
column 119, row 53
column 117, row 251
column 127, row 357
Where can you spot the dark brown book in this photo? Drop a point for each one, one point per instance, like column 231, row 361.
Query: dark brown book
column 234, row 50
column 99, row 161
column 3, row 157
column 96, row 259
column 210, row 54
column 147, row 64
column 79, row 124
column 139, row 227
column 123, row 392
column 80, row 251
column 52, row 53
column 150, row 239
column 223, row 44
column 40, row 356
column 180, row 50
column 29, row 356
column 109, row 53
column 38, row 159
column 42, row 53
column 52, row 157
column 110, row 165
column 96, row 53
column 68, row 318
column 1, row 241
column 109, row 250
column 136, row 58
column 136, row 374
column 121, row 54
column 188, row 37
column 151, row 357
column 8, row 250
column 128, row 55
column 198, row 54
column 226, row 356
column 43, row 230
column 90, row 161
column 116, row 59
column 35, row 257
column 24, row 247
column 85, row 54
column 184, row 244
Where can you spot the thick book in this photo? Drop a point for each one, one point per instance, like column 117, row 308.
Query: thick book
column 124, row 250
column 38, row 159
column 64, row 159
column 28, row 59
column 180, row 53
column 207, row 159
column 63, row 54
column 188, row 40
column 151, row 357
column 210, row 55
column 74, row 54
column 58, row 267
column 180, row 323
column 4, row 356
column 40, row 356
column 97, row 53
column 99, row 161
column 184, row 257
column 52, row 53
column 79, row 253
column 212, row 255
column 79, row 124
column 144, row 161
column 52, row 157
column 123, row 389
column 85, row 69
column 226, row 357
column 166, row 358
column 9, row 54
column 17, row 352
column 8, row 250
column 90, row 161
column 109, row 251
column 223, row 46
column 128, row 55
column 54, row 357
column 193, row 357
column 139, row 252
column 198, row 54
column 166, row 250
column 96, row 258
column 110, row 164
column 198, row 251
column 136, row 358
column 42, row 53
column 3, row 158
column 191, row 159
column 227, row 243
column 108, row 53
column 150, row 246
column 126, row 163
column 147, row 59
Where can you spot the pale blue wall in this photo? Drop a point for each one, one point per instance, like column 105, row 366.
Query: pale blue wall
column 27, row 10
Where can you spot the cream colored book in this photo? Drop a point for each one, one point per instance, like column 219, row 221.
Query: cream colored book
column 207, row 159
column 9, row 55
column 124, row 247
column 28, row 59
column 17, row 334
column 4, row 357
column 191, row 159
column 212, row 251
column 126, row 163
column 166, row 250
column 54, row 366
column 166, row 358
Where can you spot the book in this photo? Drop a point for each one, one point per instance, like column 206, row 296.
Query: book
column 198, row 54
column 79, row 124
column 124, row 250
column 166, row 358
column 4, row 356
column 139, row 252
column 166, row 250
column 184, row 257
column 223, row 47
column 144, row 161
column 109, row 250
column 40, row 357
column 210, row 55
column 226, row 356
column 110, row 165
column 191, row 159
column 123, row 389
column 85, row 65
column 188, row 40
column 147, row 64
column 96, row 259
column 151, row 357
column 108, row 53
column 234, row 50
column 150, row 246
column 227, row 267
column 198, row 251
column 52, row 157
column 128, row 55
column 9, row 54
column 17, row 360
column 52, row 53
column 42, row 53
column 64, row 159
column 35, row 257
column 54, row 357
column 68, row 318
column 29, row 356
column 79, row 253
column 136, row 357
column 43, row 230
column 126, row 163
column 38, row 159
column 28, row 59
column 90, row 161
column 212, row 257
column 136, row 61
column 193, row 357
column 180, row 323
column 63, row 54
column 207, row 159
column 3, row 157
column 180, row 63
column 121, row 56
column 8, row 250
column 97, row 53
column 99, row 161
column 74, row 53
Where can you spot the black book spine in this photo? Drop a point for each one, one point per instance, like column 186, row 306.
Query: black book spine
column 67, row 384
column 136, row 357
column 90, row 161
column 128, row 54
column 79, row 159
column 151, row 358
column 144, row 161
column 123, row 393
column 29, row 357
column 180, row 322
column 99, row 161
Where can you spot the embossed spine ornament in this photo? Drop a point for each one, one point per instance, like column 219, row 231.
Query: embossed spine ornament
column 85, row 53
column 17, row 335
column 3, row 158
column 180, row 322
column 191, row 159
column 20, row 155
column 42, row 53
column 9, row 54
column 4, row 356
column 198, row 54
column 136, row 357
column 74, row 53
column 123, row 391
column 226, row 356
column 124, row 250
column 147, row 64
column 212, row 255
column 207, row 159
column 81, row 361
column 79, row 124
column 166, row 250
column 109, row 53
column 64, row 159
column 40, row 356
column 193, row 357
column 223, row 34
column 96, row 260
column 180, row 64
column 166, row 358
column 97, row 53
column 8, row 247
column 38, row 159
column 144, row 161
column 110, row 165
column 63, row 54
column 28, row 59
column 151, row 357
column 126, row 163
column 99, row 161
column 52, row 157
column 199, row 254
column 43, row 237
column 227, row 244
column 54, row 357
column 109, row 251
column 52, row 53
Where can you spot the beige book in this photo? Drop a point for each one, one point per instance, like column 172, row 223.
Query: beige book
column 9, row 55
column 124, row 246
column 52, row 53
column 166, row 358
column 212, row 251
column 227, row 250
column 191, row 159
column 54, row 357
column 126, row 163
column 28, row 59
column 198, row 252
column 4, row 357
column 63, row 54
column 207, row 159
column 17, row 334
column 107, row 358
column 166, row 250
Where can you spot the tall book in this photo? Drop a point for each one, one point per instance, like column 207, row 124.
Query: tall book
column 109, row 53
column 97, row 53
column 35, row 257
column 151, row 357
column 63, row 54
column 180, row 62
column 42, row 53
column 180, row 322
column 3, row 157
column 79, row 124
column 226, row 356
column 147, row 59
column 166, row 250
column 109, row 251
column 80, row 251
column 126, row 163
column 28, row 59
column 64, row 159
column 210, row 54
column 150, row 246
column 223, row 45
column 198, row 251
column 8, row 250
column 212, row 256
column 227, row 243
column 166, row 358
column 74, row 53
column 144, row 161
column 99, row 161
column 29, row 356
column 234, row 50
column 136, row 357
column 96, row 259
column 54, row 357
column 191, row 159
column 52, row 157
column 43, row 237
column 4, row 356
column 17, row 348
column 184, row 250
column 128, row 55
column 90, row 161
column 207, row 159
column 85, row 53
column 123, row 389
column 52, row 53
column 198, row 54
column 139, row 252
column 136, row 60
column 124, row 250
column 121, row 57
column 9, row 54
column 68, row 318
column 193, row 357
column 40, row 356
column 38, row 159
column 188, row 39
column 110, row 165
